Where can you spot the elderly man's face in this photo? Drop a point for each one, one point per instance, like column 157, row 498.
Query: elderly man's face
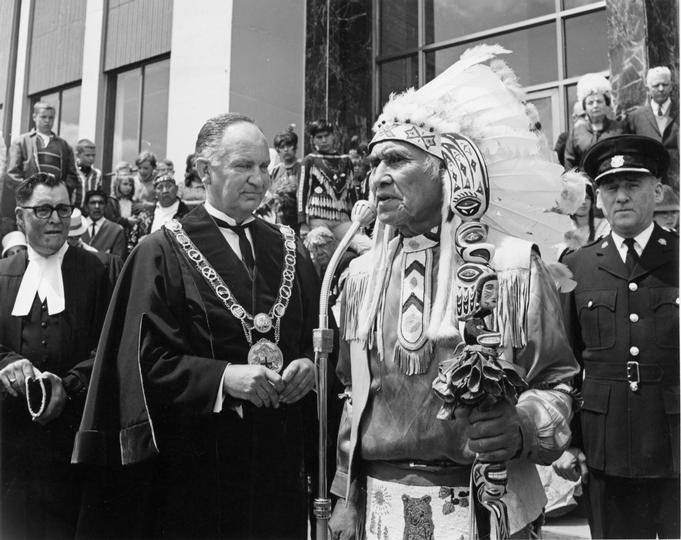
column 166, row 193
column 628, row 201
column 238, row 180
column 48, row 235
column 659, row 87
column 408, row 195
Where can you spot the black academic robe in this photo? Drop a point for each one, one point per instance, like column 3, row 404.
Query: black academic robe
column 40, row 491
column 188, row 472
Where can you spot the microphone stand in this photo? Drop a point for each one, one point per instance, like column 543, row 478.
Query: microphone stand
column 363, row 213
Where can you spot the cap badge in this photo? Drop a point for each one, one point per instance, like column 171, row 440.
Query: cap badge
column 616, row 161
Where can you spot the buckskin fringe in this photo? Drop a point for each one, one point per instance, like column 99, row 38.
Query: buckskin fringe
column 514, row 296
column 354, row 291
column 413, row 362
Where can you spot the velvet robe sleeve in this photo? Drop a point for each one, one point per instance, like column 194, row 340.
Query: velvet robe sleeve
column 146, row 360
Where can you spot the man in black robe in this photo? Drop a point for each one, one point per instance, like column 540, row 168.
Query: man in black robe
column 53, row 298
column 211, row 443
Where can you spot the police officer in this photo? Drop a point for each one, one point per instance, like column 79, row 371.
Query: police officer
column 623, row 320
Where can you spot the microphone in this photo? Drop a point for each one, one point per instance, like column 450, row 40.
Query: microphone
column 363, row 214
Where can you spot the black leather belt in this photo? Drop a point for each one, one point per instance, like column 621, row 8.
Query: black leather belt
column 632, row 372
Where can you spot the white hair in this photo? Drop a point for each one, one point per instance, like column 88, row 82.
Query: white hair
column 659, row 70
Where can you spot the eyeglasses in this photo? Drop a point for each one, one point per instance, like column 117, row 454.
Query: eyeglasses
column 44, row 211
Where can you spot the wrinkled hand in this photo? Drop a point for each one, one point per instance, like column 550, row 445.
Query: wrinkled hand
column 299, row 379
column 494, row 431
column 257, row 384
column 343, row 522
column 58, row 399
column 571, row 465
column 13, row 377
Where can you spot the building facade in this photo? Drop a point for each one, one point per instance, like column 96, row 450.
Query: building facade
column 137, row 75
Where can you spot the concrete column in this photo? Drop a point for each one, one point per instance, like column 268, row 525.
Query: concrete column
column 21, row 112
column 201, row 49
column 641, row 34
column 93, row 86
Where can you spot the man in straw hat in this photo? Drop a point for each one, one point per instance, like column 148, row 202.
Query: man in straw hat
column 623, row 322
column 437, row 153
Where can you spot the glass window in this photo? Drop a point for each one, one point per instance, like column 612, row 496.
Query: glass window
column 569, row 4
column 126, row 120
column 586, row 43
column 141, row 111
column 545, row 109
column 399, row 26
column 533, row 58
column 70, row 115
column 448, row 19
column 66, row 105
column 397, row 75
column 155, row 108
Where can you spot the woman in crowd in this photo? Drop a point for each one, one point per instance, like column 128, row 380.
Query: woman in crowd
column 594, row 92
column 587, row 221
column 192, row 191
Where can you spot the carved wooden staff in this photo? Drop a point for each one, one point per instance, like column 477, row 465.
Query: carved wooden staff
column 473, row 377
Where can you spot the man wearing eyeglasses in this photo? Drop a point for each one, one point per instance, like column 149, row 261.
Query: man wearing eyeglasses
column 54, row 299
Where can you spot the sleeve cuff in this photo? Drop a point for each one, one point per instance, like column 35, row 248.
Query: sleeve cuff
column 73, row 386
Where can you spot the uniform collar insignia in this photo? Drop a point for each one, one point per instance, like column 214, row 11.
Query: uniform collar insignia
column 662, row 241
column 604, row 244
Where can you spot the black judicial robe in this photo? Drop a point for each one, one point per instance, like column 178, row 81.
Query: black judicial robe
column 40, row 490
column 186, row 471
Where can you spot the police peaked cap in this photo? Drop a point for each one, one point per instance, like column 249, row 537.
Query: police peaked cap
column 625, row 153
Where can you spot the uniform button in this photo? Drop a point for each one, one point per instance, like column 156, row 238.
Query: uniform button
column 44, row 307
column 633, row 317
column 677, row 301
column 590, row 304
column 43, row 324
column 633, row 351
column 44, row 343
column 633, row 286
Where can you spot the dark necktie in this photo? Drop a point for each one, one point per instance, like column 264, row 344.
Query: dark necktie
column 244, row 244
column 92, row 234
column 659, row 111
column 632, row 256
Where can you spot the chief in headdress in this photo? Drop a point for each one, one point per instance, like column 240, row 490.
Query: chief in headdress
column 458, row 169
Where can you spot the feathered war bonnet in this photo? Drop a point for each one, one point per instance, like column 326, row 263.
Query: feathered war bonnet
column 480, row 108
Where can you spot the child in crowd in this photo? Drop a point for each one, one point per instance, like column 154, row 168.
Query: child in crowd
column 325, row 194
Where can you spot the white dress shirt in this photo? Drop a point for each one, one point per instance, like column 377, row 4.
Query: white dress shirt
column 661, row 119
column 88, row 223
column 164, row 215
column 229, row 235
column 640, row 242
